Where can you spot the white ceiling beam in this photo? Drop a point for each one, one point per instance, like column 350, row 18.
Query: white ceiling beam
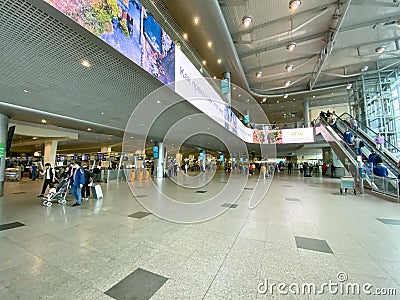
column 382, row 20
column 299, row 41
column 284, row 19
column 327, row 50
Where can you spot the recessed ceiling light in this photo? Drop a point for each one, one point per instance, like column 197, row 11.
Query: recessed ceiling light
column 234, row 88
column 189, row 118
column 89, row 129
column 209, row 44
column 240, row 95
column 185, row 36
column 290, row 47
column 264, row 99
column 131, row 137
column 287, row 83
column 26, row 91
column 333, row 93
column 281, row 105
column 102, row 113
column 44, row 121
column 142, row 124
column 330, row 100
column 380, row 49
column 215, row 77
column 246, row 21
column 313, row 96
column 289, row 68
column 259, row 74
column 294, row 99
column 219, row 60
column 248, row 100
column 277, row 101
column 294, row 4
column 204, row 62
column 85, row 63
column 196, row 20
column 348, row 87
column 34, row 138
column 364, row 69
column 158, row 101
column 285, row 96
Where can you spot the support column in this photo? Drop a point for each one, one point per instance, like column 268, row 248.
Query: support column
column 3, row 143
column 50, row 150
column 178, row 158
column 226, row 87
column 159, row 162
column 306, row 114
column 203, row 162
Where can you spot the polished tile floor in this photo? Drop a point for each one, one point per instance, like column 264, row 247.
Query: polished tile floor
column 304, row 231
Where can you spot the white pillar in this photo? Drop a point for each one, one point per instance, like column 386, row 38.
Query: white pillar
column 203, row 162
column 179, row 159
column 159, row 162
column 306, row 114
column 3, row 145
column 50, row 150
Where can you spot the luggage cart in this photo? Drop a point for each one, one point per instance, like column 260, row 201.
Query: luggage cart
column 347, row 183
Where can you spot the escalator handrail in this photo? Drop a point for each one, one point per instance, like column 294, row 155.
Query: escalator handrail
column 363, row 124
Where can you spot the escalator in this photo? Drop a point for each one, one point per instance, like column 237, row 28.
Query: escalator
column 346, row 154
column 367, row 135
column 343, row 152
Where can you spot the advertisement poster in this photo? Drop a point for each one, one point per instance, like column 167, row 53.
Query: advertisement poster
column 127, row 27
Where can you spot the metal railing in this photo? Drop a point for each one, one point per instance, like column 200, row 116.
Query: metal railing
column 386, row 185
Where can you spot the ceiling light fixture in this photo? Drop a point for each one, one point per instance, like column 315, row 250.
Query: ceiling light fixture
column 44, row 121
column 204, row 62
column 285, row 96
column 89, row 129
column 85, row 63
column 215, row 77
column 219, row 61
column 185, row 36
column 287, row 83
column 196, row 20
column 246, row 20
column 291, row 46
column 380, row 49
column 26, row 91
column 209, row 44
column 258, row 74
column 364, row 69
column 294, row 4
column 289, row 68
column 264, row 99
column 348, row 87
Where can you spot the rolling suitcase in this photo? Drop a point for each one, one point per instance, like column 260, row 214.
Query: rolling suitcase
column 97, row 192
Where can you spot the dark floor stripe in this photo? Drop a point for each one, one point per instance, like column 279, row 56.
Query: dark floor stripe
column 201, row 192
column 313, row 244
column 139, row 214
column 229, row 205
column 249, row 188
column 287, row 185
column 11, row 225
column 141, row 196
column 18, row 193
column 139, row 285
column 389, row 221
column 292, row 199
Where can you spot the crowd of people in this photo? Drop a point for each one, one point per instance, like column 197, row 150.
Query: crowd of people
column 77, row 174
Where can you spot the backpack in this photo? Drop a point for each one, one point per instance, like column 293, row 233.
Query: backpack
column 361, row 143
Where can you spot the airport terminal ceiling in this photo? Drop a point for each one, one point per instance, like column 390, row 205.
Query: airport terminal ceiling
column 41, row 73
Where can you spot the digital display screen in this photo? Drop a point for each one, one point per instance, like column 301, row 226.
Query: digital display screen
column 221, row 158
column 126, row 26
column 201, row 156
column 100, row 156
column 155, row 152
